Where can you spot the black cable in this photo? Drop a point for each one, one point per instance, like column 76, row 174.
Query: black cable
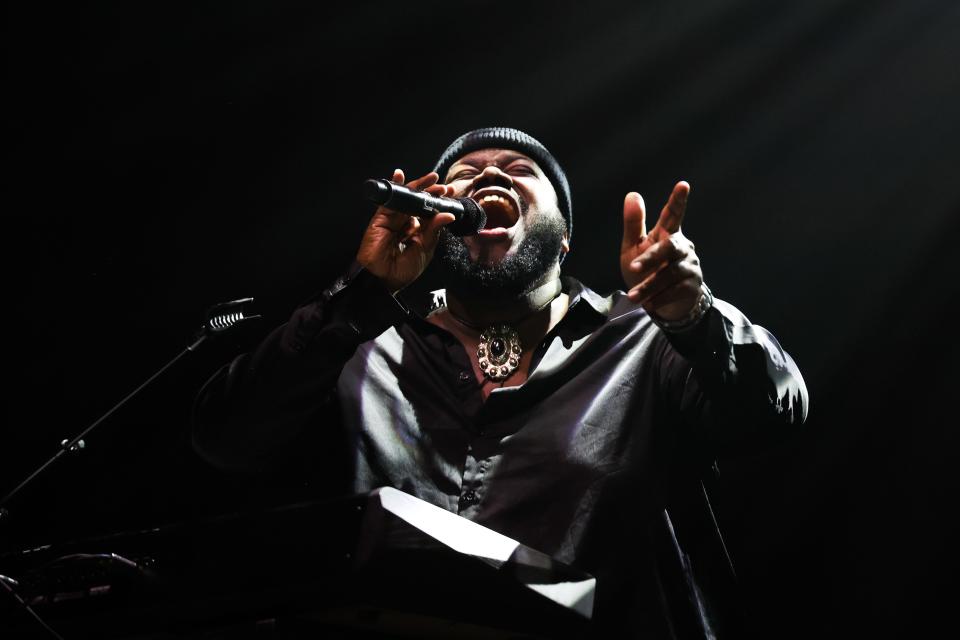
column 26, row 607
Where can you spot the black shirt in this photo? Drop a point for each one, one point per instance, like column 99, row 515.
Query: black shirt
column 577, row 462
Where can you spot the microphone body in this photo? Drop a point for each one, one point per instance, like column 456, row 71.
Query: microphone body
column 470, row 217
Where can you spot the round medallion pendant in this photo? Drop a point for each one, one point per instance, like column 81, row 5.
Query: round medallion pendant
column 499, row 352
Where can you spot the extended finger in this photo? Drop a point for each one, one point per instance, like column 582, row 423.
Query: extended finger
column 671, row 216
column 634, row 220
column 397, row 176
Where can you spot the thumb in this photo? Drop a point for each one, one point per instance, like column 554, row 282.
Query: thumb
column 634, row 221
column 431, row 231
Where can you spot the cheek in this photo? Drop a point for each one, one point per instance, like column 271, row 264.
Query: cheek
column 547, row 199
column 538, row 196
column 460, row 188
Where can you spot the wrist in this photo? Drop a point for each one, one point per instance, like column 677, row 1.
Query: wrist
column 358, row 300
column 392, row 278
column 687, row 322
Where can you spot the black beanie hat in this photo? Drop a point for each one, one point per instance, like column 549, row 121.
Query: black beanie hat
column 515, row 140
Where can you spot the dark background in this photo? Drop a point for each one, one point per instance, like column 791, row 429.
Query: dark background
column 162, row 158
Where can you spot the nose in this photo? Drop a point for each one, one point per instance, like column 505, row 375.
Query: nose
column 492, row 176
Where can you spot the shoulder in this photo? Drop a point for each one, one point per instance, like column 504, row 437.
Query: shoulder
column 613, row 323
column 612, row 309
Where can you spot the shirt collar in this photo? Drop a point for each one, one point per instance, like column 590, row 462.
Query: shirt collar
column 586, row 311
column 579, row 292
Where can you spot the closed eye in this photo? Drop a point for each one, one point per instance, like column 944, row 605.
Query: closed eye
column 522, row 169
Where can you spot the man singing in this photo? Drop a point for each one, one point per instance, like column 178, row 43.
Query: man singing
column 523, row 400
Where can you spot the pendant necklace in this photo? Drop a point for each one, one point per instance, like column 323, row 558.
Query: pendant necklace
column 499, row 351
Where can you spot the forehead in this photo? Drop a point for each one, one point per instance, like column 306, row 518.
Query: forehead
column 495, row 157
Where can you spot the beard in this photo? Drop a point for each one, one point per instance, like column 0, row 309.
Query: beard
column 511, row 277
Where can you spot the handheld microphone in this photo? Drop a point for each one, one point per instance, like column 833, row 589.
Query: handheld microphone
column 470, row 217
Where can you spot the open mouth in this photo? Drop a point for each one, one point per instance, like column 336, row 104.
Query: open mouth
column 500, row 205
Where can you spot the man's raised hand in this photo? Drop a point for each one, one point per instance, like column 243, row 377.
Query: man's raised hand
column 660, row 268
column 397, row 247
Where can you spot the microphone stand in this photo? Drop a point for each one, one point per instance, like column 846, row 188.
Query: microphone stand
column 220, row 318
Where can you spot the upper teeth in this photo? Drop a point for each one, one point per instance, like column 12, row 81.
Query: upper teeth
column 495, row 198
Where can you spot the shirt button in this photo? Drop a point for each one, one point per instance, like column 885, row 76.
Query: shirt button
column 464, row 377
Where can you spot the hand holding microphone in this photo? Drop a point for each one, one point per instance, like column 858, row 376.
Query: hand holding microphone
column 402, row 235
column 470, row 218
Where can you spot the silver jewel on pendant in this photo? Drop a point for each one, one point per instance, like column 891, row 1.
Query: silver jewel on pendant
column 499, row 352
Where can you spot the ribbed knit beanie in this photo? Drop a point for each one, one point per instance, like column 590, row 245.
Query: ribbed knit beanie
column 515, row 140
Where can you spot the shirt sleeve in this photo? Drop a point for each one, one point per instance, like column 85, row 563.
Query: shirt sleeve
column 736, row 388
column 263, row 400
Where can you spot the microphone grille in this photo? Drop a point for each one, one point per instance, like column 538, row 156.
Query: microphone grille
column 474, row 219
